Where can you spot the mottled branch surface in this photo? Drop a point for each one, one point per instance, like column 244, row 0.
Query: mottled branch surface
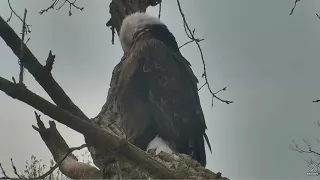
column 111, row 153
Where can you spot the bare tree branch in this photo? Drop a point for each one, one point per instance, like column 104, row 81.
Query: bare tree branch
column 22, row 45
column 67, row 162
column 44, row 134
column 61, row 161
column 190, row 34
column 159, row 14
column 309, row 150
column 79, row 173
column 55, row 3
column 316, row 101
column 3, row 172
column 198, row 40
column 39, row 72
column 294, row 7
column 15, row 169
column 50, row 171
column 89, row 130
column 99, row 138
column 27, row 29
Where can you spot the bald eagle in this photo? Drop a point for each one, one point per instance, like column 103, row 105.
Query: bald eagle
column 157, row 92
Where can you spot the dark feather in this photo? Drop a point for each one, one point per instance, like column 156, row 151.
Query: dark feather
column 157, row 95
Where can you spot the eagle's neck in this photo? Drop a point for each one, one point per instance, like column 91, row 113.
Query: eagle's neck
column 159, row 32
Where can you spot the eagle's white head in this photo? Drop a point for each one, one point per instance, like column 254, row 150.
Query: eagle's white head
column 134, row 23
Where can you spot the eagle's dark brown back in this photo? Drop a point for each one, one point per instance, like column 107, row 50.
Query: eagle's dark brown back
column 157, row 95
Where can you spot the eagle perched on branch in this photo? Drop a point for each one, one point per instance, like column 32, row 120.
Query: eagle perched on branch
column 157, row 92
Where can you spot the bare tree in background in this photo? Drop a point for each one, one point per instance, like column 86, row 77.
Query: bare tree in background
column 112, row 155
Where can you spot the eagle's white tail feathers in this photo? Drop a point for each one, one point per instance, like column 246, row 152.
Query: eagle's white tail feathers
column 161, row 145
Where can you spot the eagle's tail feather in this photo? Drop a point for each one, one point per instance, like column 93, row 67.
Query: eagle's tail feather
column 200, row 152
column 208, row 142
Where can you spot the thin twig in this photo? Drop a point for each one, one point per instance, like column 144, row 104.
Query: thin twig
column 15, row 169
column 199, row 40
column 21, row 47
column 294, row 7
column 60, row 162
column 190, row 34
column 55, row 3
column 3, row 172
column 49, row 171
column 61, row 5
column 50, row 7
column 297, row 148
column 12, row 11
column 159, row 10
column 316, row 101
column 202, row 86
column 10, row 16
column 74, row 5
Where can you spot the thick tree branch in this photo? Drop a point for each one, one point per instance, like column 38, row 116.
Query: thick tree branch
column 39, row 72
column 67, row 162
column 99, row 138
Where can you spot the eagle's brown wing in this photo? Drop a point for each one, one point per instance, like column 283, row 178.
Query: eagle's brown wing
column 159, row 82
column 173, row 93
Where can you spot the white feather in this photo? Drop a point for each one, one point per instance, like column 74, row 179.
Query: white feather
column 133, row 23
column 160, row 145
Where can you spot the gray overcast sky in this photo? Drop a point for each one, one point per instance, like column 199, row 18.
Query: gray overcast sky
column 266, row 58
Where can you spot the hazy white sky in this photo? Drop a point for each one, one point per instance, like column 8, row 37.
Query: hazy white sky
column 268, row 60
